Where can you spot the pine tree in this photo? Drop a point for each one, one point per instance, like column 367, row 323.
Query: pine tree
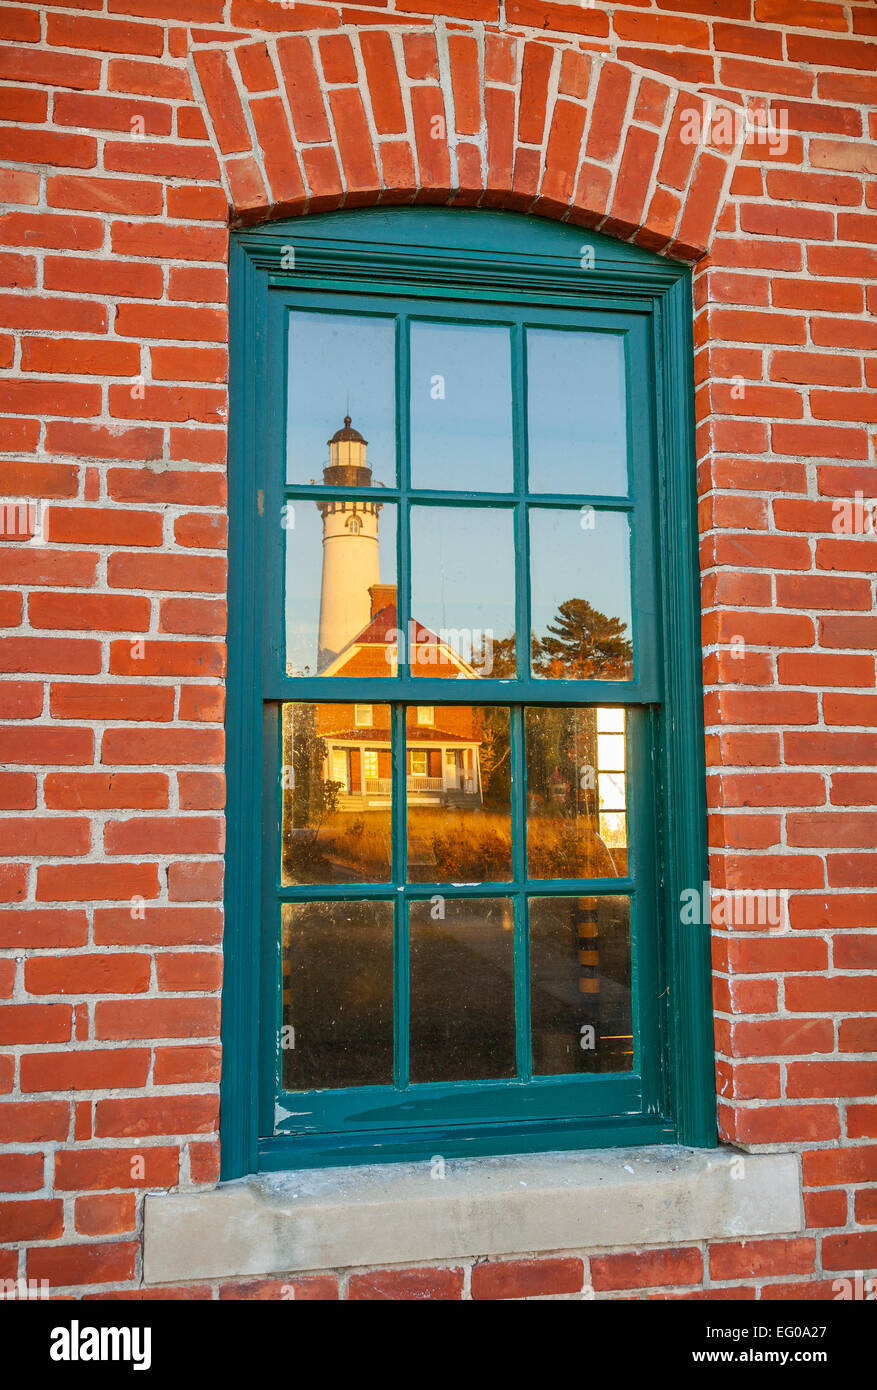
column 583, row 644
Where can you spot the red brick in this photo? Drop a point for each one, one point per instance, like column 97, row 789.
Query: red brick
column 107, row 1214
column 321, row 1287
column 189, row 573
column 186, row 488
column 383, row 82
column 164, row 835
column 99, row 441
column 303, row 89
column 105, row 1263
column 256, row 67
column 182, row 1066
column 156, row 1018
column 87, row 974
column 158, row 926
column 106, row 882
column 91, row 701
column 85, row 1070
column 406, row 1284
column 111, row 113
column 610, row 101
column 35, row 1219
column 152, row 1116
column 188, row 882
column 89, row 612
column 33, row 928
column 526, row 1278
column 18, row 791
column 32, row 1122
column 21, row 1172
column 41, row 836
column 648, row 1269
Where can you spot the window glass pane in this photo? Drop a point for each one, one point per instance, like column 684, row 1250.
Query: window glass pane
column 340, row 588
column 337, row 995
column 336, row 795
column 580, row 985
column 567, row 791
column 341, row 365
column 461, row 407
column 580, row 594
column 462, row 592
column 462, row 989
column 459, row 795
column 576, row 412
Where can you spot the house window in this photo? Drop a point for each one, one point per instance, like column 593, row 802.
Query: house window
column 470, row 931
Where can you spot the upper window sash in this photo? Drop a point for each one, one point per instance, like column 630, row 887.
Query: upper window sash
column 637, row 504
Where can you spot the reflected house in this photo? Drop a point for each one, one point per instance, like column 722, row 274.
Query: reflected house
column 359, row 637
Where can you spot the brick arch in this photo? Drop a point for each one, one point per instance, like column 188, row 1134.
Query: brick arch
column 393, row 115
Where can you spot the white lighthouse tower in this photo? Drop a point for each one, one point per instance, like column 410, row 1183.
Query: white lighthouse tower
column 350, row 546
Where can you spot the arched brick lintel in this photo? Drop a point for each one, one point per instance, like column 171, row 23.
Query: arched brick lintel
column 490, row 120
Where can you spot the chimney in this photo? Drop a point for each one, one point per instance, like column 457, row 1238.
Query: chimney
column 382, row 596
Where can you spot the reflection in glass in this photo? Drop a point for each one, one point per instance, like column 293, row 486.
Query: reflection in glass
column 580, row 594
column 576, row 412
column 580, row 985
column 459, row 794
column 340, row 365
column 340, row 588
column 462, row 592
column 462, row 989
column 566, row 771
column 336, row 795
column 337, row 995
column 461, row 407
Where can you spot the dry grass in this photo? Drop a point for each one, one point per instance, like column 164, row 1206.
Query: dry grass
column 447, row 845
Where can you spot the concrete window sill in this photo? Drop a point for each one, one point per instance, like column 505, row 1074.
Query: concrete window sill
column 338, row 1218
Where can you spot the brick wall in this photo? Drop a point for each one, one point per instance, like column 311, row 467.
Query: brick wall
column 130, row 132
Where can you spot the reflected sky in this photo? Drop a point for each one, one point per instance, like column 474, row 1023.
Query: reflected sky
column 576, row 412
column 461, row 407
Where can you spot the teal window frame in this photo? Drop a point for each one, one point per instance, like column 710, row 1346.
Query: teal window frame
column 467, row 266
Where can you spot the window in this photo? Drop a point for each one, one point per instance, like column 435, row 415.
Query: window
column 470, row 933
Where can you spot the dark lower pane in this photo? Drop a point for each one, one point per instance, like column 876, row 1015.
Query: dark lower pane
column 580, row 594
column 340, row 614
column 337, row 995
column 576, row 792
column 458, row 793
column 580, row 1005
column 336, row 786
column 462, row 989
column 462, row 592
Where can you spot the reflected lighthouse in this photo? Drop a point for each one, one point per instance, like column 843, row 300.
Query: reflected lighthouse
column 350, row 546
